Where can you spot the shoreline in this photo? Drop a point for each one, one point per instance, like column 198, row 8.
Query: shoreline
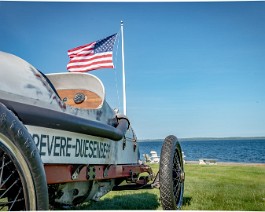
column 229, row 163
column 204, row 139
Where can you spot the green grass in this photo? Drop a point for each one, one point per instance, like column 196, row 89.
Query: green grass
column 224, row 187
column 216, row 187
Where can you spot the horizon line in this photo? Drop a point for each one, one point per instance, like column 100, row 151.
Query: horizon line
column 228, row 137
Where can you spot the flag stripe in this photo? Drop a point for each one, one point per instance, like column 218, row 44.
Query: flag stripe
column 94, row 67
column 92, row 56
column 76, row 50
column 79, row 65
column 91, row 60
column 83, row 53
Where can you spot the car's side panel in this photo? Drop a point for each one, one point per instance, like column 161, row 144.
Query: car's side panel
column 64, row 147
column 24, row 84
column 20, row 78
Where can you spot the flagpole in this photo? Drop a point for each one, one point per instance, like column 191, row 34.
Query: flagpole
column 123, row 72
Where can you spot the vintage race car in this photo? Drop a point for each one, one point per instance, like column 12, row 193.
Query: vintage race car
column 61, row 144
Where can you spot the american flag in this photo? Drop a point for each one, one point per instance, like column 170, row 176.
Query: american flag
column 92, row 56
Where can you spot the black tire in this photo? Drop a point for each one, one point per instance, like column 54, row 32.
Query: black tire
column 171, row 174
column 23, row 183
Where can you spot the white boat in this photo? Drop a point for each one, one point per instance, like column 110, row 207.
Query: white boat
column 183, row 157
column 154, row 157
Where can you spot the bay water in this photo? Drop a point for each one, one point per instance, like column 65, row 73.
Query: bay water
column 242, row 150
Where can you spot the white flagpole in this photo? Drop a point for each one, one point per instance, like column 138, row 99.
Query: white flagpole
column 123, row 71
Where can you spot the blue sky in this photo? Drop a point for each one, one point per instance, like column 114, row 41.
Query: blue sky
column 192, row 69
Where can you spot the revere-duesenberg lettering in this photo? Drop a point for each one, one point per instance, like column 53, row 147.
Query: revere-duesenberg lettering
column 67, row 147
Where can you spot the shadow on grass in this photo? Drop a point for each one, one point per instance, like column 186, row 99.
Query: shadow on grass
column 186, row 201
column 142, row 201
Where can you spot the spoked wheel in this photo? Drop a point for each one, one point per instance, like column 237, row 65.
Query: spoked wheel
column 171, row 174
column 22, row 178
column 15, row 194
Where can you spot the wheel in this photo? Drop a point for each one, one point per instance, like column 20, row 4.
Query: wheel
column 171, row 174
column 23, row 183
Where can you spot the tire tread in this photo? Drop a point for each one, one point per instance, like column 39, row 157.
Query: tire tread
column 15, row 130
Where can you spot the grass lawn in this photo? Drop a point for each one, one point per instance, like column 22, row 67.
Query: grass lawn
column 207, row 187
column 224, row 187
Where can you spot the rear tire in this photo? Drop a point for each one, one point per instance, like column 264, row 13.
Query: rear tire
column 23, row 183
column 171, row 174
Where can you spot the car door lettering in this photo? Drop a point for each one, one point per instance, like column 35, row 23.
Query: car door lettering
column 60, row 146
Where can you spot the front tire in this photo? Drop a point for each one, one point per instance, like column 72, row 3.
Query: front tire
column 171, row 174
column 23, row 183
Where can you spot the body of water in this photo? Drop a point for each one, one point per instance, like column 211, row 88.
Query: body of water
column 226, row 150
